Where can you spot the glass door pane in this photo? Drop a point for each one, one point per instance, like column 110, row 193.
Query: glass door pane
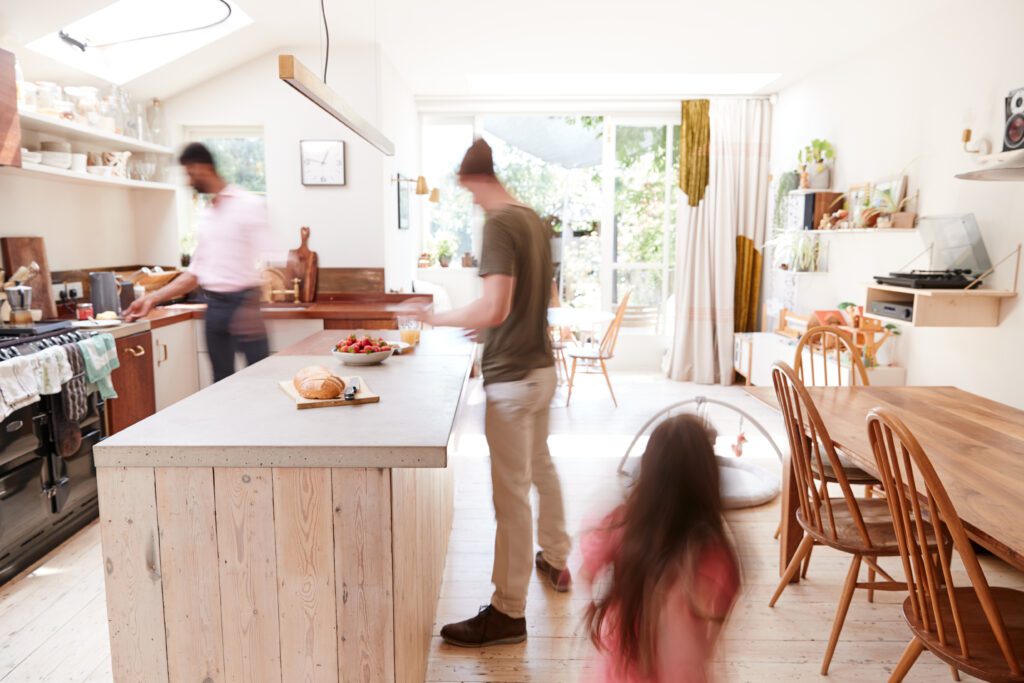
column 444, row 144
column 553, row 164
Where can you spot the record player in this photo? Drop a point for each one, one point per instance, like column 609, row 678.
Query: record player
column 957, row 256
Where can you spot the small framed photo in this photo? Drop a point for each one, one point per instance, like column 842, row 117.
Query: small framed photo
column 404, row 197
column 858, row 198
column 323, row 162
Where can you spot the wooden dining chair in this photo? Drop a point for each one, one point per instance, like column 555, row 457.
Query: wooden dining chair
column 861, row 527
column 977, row 629
column 561, row 338
column 592, row 358
column 823, row 342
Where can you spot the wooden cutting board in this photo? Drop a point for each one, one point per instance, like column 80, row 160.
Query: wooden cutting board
column 364, row 395
column 304, row 264
column 20, row 251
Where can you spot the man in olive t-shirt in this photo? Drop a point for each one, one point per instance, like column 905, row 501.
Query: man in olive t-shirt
column 519, row 379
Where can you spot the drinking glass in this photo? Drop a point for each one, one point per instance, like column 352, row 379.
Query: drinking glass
column 409, row 329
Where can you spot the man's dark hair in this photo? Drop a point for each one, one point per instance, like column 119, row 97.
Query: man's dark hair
column 197, row 153
column 478, row 160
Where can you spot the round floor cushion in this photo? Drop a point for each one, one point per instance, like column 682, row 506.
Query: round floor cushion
column 744, row 484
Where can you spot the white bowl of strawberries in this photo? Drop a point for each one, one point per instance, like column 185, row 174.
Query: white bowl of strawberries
column 355, row 350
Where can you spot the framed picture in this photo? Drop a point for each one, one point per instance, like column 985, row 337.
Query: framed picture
column 323, row 162
column 889, row 194
column 403, row 202
column 857, row 199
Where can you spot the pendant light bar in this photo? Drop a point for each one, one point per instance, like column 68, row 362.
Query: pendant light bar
column 295, row 74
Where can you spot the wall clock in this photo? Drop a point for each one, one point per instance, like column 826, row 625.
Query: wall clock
column 323, row 162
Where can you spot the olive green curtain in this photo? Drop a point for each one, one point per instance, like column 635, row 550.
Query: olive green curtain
column 694, row 144
column 748, row 284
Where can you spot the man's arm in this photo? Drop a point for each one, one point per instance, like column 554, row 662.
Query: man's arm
column 490, row 310
column 179, row 286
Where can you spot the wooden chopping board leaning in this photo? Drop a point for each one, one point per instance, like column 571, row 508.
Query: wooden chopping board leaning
column 304, row 265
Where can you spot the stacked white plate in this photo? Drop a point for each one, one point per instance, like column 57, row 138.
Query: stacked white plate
column 31, row 157
column 57, row 159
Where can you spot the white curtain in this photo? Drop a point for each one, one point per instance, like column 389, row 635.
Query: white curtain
column 734, row 204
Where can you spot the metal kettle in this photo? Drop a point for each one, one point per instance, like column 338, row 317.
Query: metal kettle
column 105, row 294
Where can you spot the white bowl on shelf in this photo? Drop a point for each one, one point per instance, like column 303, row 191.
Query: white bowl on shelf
column 105, row 171
column 28, row 157
column 363, row 358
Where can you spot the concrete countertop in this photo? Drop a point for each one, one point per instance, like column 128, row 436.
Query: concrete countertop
column 248, row 421
column 323, row 310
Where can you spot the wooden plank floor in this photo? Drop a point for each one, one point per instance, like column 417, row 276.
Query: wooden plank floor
column 53, row 620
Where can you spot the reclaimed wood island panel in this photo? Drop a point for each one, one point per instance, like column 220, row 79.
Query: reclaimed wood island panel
column 245, row 540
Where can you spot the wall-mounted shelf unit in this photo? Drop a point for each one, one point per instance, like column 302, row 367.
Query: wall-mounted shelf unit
column 73, row 132
column 64, row 175
column 941, row 307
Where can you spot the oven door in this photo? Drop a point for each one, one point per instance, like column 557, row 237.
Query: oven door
column 25, row 512
column 74, row 477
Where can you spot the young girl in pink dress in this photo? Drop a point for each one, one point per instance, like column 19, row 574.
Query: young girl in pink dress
column 672, row 575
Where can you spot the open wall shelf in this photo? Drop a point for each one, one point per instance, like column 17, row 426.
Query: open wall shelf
column 74, row 132
column 940, row 307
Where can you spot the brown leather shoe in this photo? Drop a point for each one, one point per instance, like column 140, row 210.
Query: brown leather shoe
column 488, row 627
column 560, row 579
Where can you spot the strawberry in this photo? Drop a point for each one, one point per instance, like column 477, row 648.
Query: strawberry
column 368, row 350
column 342, row 349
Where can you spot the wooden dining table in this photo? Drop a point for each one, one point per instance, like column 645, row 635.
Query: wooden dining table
column 975, row 444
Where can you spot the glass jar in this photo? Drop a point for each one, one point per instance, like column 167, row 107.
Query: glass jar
column 48, row 94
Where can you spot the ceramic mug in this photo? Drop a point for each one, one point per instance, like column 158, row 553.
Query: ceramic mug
column 79, row 162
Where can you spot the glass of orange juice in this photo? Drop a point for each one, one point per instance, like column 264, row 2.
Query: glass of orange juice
column 409, row 329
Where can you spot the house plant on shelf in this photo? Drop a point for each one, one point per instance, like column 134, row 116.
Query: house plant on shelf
column 444, row 250
column 816, row 165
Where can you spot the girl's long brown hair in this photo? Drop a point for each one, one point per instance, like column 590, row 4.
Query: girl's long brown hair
column 672, row 513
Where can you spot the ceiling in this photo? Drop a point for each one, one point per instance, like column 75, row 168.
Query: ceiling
column 531, row 47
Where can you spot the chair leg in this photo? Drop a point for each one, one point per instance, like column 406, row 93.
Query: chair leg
column 778, row 531
column 871, row 578
column 907, row 659
column 841, row 610
column 792, row 568
column 807, row 563
column 572, row 377
column 954, row 672
column 604, row 369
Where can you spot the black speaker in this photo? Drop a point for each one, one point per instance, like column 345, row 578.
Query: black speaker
column 1013, row 136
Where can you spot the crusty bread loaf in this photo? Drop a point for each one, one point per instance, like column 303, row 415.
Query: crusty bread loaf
column 316, row 381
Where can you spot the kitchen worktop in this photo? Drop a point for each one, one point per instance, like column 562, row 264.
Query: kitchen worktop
column 248, row 421
column 322, row 310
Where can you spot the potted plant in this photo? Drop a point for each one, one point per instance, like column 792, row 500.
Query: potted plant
column 444, row 250
column 786, row 183
column 816, row 165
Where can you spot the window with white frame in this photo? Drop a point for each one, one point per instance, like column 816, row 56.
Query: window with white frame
column 239, row 156
column 606, row 186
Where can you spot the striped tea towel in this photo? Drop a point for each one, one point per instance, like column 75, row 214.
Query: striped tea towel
column 75, row 395
column 100, row 356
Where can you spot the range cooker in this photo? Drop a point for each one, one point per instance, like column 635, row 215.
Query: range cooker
column 44, row 498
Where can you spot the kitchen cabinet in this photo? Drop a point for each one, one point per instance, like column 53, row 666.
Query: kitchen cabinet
column 280, row 335
column 133, row 382
column 175, row 363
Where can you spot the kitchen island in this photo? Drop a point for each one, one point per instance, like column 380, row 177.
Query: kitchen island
column 246, row 540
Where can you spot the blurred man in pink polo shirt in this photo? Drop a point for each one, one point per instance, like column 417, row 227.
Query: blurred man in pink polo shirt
column 232, row 240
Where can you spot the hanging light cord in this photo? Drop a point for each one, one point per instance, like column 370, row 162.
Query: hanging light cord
column 82, row 45
column 327, row 33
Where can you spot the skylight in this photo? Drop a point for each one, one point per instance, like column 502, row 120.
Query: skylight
column 127, row 19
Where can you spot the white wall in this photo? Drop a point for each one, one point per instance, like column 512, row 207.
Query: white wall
column 902, row 105
column 352, row 226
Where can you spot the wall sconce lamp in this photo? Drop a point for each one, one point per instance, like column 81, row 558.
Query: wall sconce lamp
column 421, row 187
column 980, row 146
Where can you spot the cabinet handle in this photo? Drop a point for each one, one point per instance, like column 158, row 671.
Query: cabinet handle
column 138, row 351
column 165, row 353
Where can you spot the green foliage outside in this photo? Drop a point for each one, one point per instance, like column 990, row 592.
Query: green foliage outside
column 240, row 161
